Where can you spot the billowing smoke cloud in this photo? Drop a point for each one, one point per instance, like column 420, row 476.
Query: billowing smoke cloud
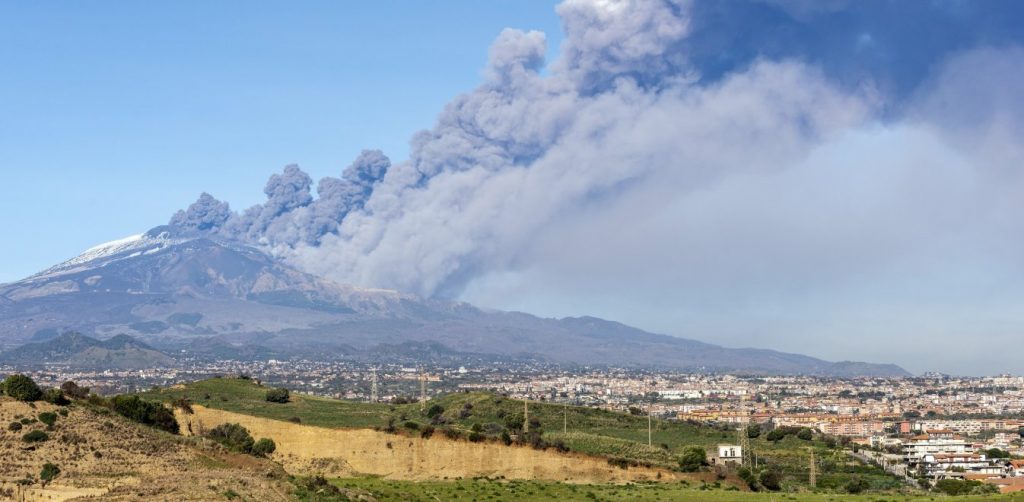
column 732, row 169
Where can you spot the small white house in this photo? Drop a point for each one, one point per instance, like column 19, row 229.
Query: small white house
column 728, row 454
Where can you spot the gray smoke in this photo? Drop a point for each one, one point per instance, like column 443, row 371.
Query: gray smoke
column 789, row 166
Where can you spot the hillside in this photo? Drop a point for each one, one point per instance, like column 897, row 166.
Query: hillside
column 102, row 456
column 205, row 297
column 612, row 436
column 80, row 351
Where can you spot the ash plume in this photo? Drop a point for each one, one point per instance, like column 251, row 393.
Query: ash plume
column 731, row 157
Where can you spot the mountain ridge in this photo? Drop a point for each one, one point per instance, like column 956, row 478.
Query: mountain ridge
column 173, row 288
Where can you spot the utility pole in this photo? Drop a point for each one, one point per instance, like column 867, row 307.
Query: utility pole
column 423, row 388
column 814, row 470
column 373, row 385
column 649, row 426
column 565, row 418
column 526, row 416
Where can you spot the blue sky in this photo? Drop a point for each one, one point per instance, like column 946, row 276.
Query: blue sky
column 116, row 114
column 840, row 178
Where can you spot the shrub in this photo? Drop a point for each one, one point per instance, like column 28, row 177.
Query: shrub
column 427, row 431
column 962, row 487
column 73, row 391
column 514, row 421
column 748, row 477
column 411, row 425
column 55, row 396
column 771, row 479
column 776, row 435
column 435, row 410
column 49, row 472
column 264, row 447
column 278, row 395
column 506, row 438
column 295, row 420
column 233, row 436
column 14, row 427
column 475, row 437
column 753, row 431
column 35, row 437
column 857, row 485
column 693, row 459
column 145, row 412
column 805, row 434
column 48, row 418
column 22, row 388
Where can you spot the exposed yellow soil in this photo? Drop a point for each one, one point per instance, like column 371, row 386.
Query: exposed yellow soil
column 305, row 449
column 105, row 457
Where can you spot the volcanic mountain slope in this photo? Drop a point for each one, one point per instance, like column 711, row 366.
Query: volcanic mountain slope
column 200, row 295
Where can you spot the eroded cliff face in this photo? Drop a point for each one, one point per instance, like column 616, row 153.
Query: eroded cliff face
column 304, row 449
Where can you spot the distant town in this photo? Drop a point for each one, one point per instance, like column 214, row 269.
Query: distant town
column 928, row 427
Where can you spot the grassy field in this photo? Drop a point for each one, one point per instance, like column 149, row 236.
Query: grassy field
column 591, row 431
column 497, row 490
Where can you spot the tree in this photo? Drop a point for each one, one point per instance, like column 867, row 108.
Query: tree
column 278, row 395
column 771, row 479
column 22, row 388
column 145, row 412
column 73, row 391
column 514, row 421
column 748, row 477
column 49, row 472
column 692, row 459
column 636, row 412
column 435, row 410
column 55, row 396
column 997, row 453
column 805, row 434
column 753, row 431
column 233, row 436
column 264, row 447
column 776, row 435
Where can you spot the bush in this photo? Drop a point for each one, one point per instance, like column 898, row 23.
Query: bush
column 145, row 412
column 73, row 391
column 278, row 395
column 753, row 431
column 435, row 410
column 514, row 421
column 748, row 477
column 48, row 418
column 233, row 436
column 264, row 447
column 771, row 479
column 35, row 437
column 427, row 431
column 961, row 487
column 805, row 434
column 22, row 388
column 14, row 427
column 411, row 425
column 857, row 485
column 776, row 435
column 49, row 472
column 693, row 459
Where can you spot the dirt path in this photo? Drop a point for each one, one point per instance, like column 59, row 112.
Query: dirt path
column 304, row 449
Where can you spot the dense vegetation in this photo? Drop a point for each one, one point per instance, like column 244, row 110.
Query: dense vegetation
column 237, row 438
column 22, row 388
column 145, row 412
